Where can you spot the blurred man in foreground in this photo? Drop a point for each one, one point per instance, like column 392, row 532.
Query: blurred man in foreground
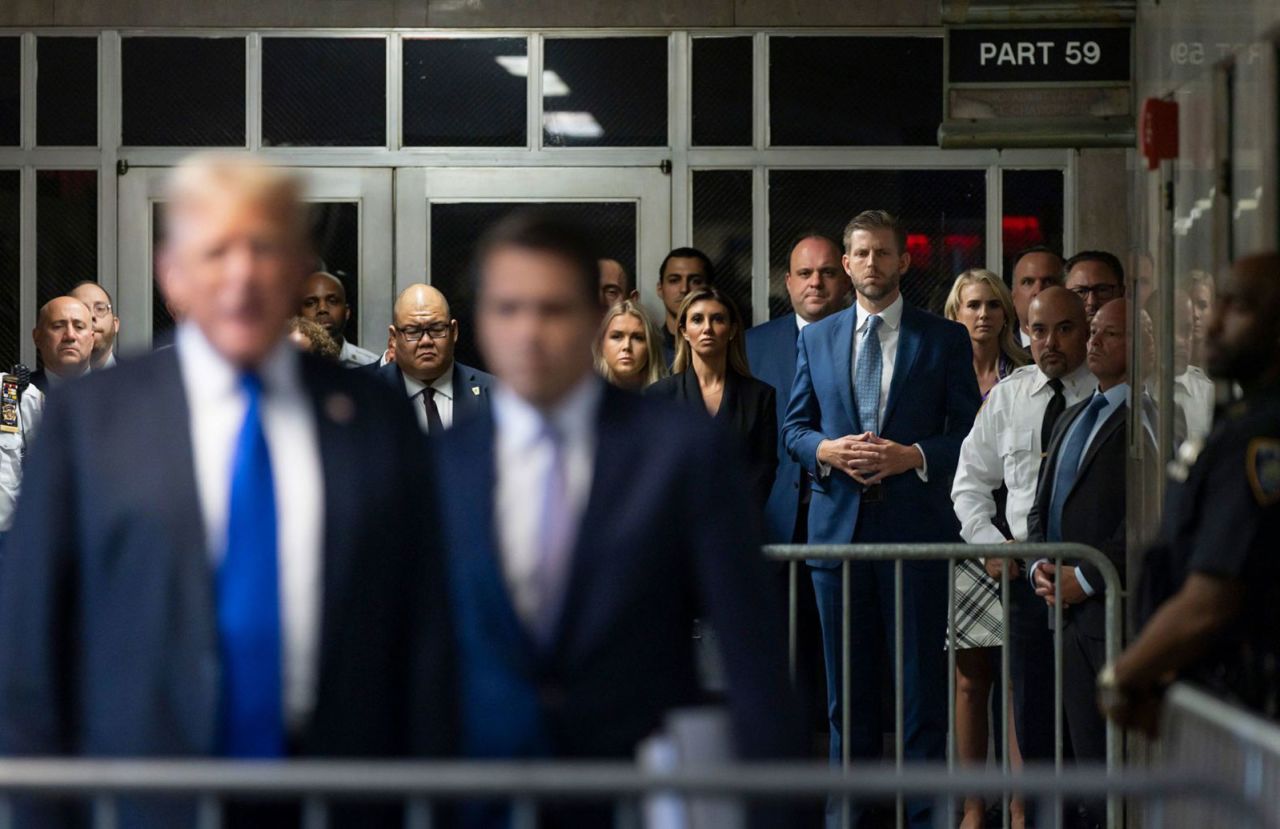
column 243, row 604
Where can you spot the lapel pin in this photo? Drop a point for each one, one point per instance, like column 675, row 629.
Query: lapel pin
column 340, row 408
column 475, row 390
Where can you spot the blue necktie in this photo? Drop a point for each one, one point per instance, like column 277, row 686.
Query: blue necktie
column 866, row 377
column 1064, row 477
column 554, row 534
column 252, row 716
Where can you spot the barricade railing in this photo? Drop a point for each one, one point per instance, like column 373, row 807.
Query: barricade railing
column 1215, row 740
column 951, row 554
column 421, row 788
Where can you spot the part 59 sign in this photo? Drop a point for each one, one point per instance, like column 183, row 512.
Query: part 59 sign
column 1004, row 56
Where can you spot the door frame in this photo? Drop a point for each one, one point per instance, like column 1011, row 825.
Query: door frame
column 370, row 187
column 418, row 187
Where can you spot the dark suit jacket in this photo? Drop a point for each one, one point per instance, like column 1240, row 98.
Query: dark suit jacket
column 108, row 629
column 666, row 537
column 771, row 350
column 933, row 398
column 1094, row 512
column 467, row 401
column 748, row 410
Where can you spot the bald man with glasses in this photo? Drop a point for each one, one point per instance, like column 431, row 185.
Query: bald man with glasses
column 440, row 389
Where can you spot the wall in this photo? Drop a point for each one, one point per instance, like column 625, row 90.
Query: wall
column 469, row 13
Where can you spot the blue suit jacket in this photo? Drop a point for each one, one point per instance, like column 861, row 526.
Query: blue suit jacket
column 108, row 630
column 471, row 388
column 933, row 399
column 666, row 536
column 771, row 351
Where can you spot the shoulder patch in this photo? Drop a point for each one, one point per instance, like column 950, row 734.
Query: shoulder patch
column 1262, row 463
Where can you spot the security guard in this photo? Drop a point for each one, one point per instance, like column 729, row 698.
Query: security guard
column 1210, row 591
column 21, row 405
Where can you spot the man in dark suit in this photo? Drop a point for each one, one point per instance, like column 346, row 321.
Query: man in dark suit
column 818, row 287
column 64, row 340
column 586, row 528
column 219, row 590
column 441, row 390
column 1080, row 497
column 882, row 398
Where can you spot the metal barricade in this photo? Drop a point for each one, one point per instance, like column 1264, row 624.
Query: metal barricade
column 1215, row 740
column 952, row 553
column 420, row 787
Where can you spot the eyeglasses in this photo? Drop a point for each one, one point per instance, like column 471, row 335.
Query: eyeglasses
column 436, row 331
column 1103, row 290
column 100, row 309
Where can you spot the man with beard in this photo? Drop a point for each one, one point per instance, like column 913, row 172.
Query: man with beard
column 1210, row 589
column 883, row 396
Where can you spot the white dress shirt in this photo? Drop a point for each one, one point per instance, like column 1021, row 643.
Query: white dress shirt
column 353, row 356
column 523, row 457
column 1004, row 447
column 1193, row 392
column 417, row 391
column 217, row 408
column 12, row 447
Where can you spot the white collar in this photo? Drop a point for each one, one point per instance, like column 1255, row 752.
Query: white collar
column 442, row 384
column 1080, row 378
column 801, row 322
column 207, row 375
column 521, row 423
column 891, row 316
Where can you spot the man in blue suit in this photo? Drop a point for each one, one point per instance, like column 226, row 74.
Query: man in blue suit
column 818, row 287
column 883, row 396
column 441, row 390
column 586, row 528
column 189, row 573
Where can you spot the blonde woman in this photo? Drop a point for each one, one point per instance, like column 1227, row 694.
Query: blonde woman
column 980, row 301
column 711, row 373
column 629, row 350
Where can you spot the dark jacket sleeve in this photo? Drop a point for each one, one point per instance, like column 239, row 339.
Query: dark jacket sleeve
column 38, row 624
column 764, row 443
column 942, row 451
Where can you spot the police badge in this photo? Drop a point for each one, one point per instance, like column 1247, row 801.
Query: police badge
column 1262, row 463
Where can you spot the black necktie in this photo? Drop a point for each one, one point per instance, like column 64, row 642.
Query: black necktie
column 1057, row 404
column 434, row 424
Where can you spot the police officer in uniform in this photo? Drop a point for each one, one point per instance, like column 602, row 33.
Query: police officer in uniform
column 1210, row 594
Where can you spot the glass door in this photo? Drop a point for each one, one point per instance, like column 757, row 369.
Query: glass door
column 350, row 225
column 440, row 214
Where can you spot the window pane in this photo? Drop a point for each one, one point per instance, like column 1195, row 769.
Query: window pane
column 67, row 91
column 1032, row 213
column 942, row 211
column 820, row 89
column 66, row 230
column 162, row 105
column 10, row 91
column 611, row 92
column 335, row 237
column 722, row 230
column 324, row 92
column 454, row 229
column 722, row 91
column 10, row 193
column 468, row 92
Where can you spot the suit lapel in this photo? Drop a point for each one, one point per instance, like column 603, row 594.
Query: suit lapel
column 464, row 402
column 1108, row 428
column 904, row 361
column 842, row 334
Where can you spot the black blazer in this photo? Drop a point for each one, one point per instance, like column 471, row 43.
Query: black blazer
column 748, row 409
column 1094, row 512
column 108, row 630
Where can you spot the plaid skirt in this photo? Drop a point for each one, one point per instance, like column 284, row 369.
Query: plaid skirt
column 979, row 616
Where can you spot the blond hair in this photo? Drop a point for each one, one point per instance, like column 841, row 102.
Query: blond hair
column 655, row 367
column 206, row 175
column 1009, row 346
column 737, row 357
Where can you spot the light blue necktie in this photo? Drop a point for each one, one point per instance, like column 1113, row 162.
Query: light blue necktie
column 554, row 533
column 866, row 377
column 1064, row 476
column 252, row 717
